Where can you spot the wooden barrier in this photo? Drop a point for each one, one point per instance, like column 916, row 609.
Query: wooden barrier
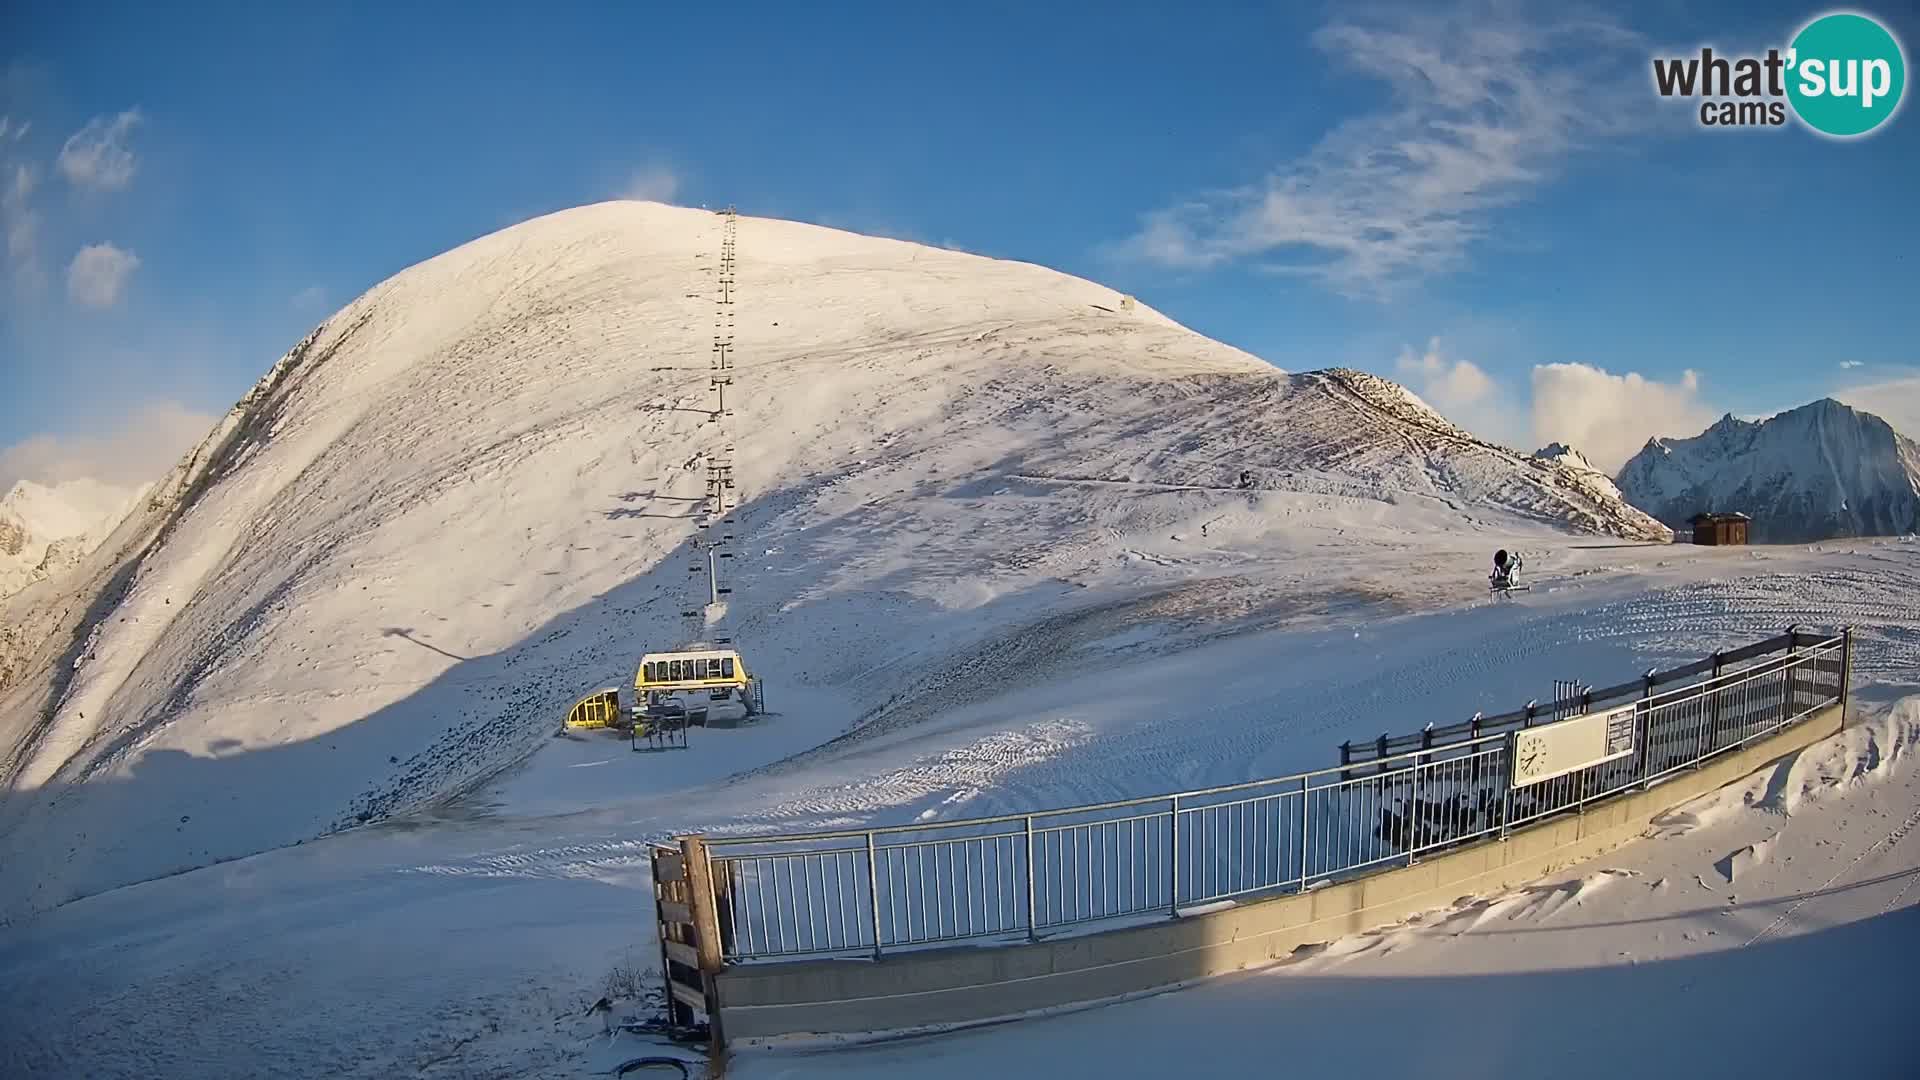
column 689, row 927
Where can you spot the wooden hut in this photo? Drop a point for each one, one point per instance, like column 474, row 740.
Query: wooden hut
column 1720, row 529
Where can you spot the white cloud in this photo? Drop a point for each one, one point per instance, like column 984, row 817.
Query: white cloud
column 20, row 222
column 1449, row 382
column 652, row 183
column 310, row 298
column 1486, row 104
column 17, row 207
column 1897, row 401
column 97, row 155
column 99, row 274
column 134, row 450
column 1459, row 389
column 1849, row 364
column 1609, row 417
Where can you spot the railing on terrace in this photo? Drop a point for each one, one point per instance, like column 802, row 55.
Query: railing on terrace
column 1537, row 712
column 1025, row 876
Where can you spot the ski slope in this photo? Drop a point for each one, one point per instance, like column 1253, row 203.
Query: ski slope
column 470, row 941
column 460, row 501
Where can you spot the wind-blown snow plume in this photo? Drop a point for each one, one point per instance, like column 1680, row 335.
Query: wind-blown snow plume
column 137, row 449
column 1896, row 400
column 1610, row 416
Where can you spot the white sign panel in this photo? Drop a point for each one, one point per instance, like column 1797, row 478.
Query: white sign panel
column 1565, row 746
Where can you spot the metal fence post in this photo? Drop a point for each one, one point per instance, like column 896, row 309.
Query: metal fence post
column 1846, row 671
column 873, row 896
column 1793, row 650
column 1646, row 714
column 1306, row 832
column 1173, row 860
column 1033, row 924
column 1506, row 806
column 1715, row 712
column 1413, row 809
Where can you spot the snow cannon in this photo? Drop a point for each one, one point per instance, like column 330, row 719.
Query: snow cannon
column 1506, row 573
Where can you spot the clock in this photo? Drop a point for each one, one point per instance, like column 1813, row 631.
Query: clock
column 1530, row 751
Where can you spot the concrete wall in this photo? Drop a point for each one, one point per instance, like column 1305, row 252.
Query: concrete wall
column 960, row 985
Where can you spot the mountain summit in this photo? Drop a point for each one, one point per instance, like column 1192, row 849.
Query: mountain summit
column 1822, row 470
column 469, row 497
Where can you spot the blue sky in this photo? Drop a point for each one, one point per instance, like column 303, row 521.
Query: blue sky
column 1459, row 199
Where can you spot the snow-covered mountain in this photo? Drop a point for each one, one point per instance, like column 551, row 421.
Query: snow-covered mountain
column 1562, row 454
column 1819, row 471
column 467, row 497
column 46, row 531
column 1568, row 456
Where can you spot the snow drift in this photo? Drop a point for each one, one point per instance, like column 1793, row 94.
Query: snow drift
column 1817, row 472
column 457, row 503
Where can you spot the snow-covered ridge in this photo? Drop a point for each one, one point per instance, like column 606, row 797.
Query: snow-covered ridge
column 458, row 503
column 1566, row 455
column 1571, row 458
column 1568, row 488
column 1819, row 471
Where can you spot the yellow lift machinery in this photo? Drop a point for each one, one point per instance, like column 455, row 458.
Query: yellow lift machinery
column 720, row 674
column 600, row 709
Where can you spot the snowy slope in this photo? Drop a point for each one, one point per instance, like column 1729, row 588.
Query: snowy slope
column 1822, row 470
column 46, row 531
column 456, row 505
column 470, row 942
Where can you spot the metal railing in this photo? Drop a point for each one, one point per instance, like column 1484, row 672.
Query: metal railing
column 1568, row 701
column 1023, row 876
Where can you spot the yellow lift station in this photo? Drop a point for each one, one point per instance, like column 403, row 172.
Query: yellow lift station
column 721, row 673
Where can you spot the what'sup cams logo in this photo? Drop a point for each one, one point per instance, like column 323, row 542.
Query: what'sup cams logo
column 1843, row 75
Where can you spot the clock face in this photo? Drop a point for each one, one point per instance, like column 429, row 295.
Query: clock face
column 1532, row 753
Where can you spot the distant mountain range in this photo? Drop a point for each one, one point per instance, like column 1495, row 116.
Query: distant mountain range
column 1817, row 472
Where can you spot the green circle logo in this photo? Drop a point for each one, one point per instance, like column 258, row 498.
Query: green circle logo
column 1845, row 73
